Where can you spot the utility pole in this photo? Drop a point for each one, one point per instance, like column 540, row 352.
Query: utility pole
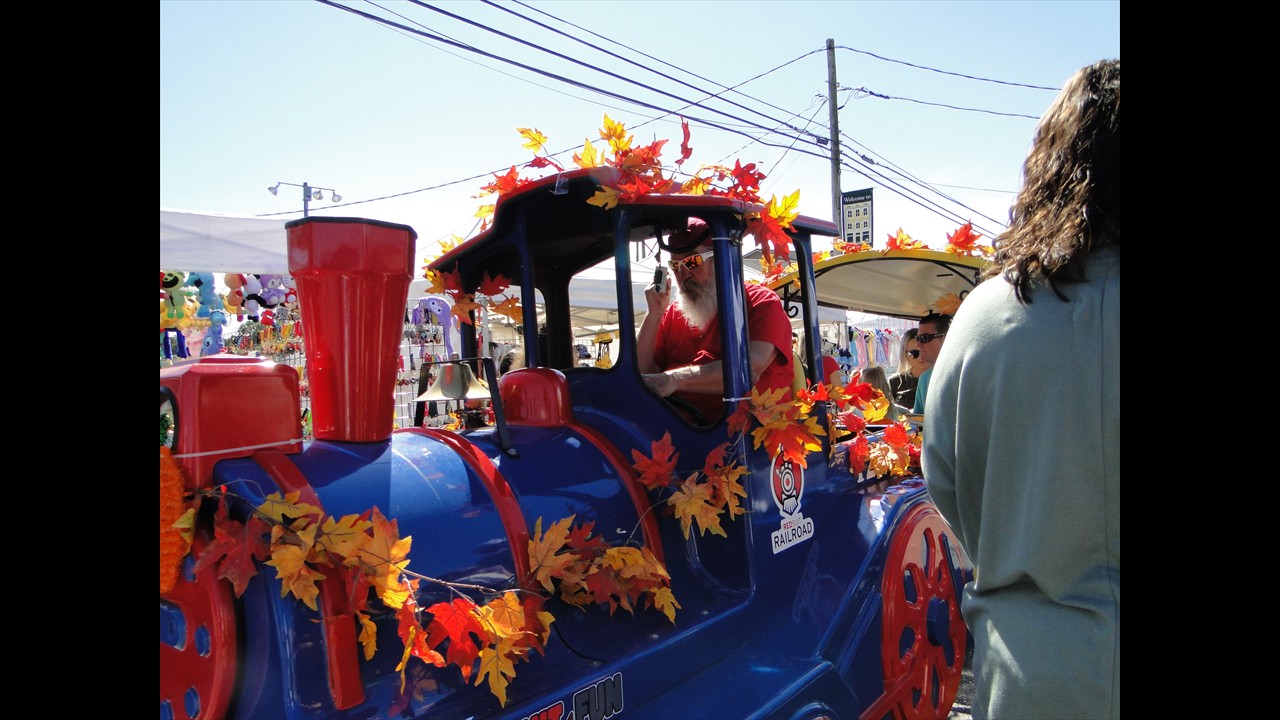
column 835, row 135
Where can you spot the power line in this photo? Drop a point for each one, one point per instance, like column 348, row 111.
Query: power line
column 801, row 134
column 862, row 92
column 945, row 72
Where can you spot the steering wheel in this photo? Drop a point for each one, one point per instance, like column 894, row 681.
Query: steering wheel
column 690, row 411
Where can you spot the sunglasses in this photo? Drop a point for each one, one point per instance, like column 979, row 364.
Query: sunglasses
column 690, row 262
column 913, row 354
column 926, row 338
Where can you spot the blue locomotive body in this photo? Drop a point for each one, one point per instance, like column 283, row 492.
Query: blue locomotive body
column 843, row 603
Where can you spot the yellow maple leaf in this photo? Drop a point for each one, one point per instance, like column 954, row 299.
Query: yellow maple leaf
column 875, row 409
column 495, row 663
column 368, row 635
column 533, row 139
column 289, row 553
column 588, row 158
column 605, row 197
column 696, row 185
column 785, row 210
column 485, row 212
column 186, row 527
column 276, row 508
column 384, row 557
column 664, row 600
column 615, row 133
column 345, row 536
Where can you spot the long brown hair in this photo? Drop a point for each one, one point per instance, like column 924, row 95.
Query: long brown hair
column 1069, row 204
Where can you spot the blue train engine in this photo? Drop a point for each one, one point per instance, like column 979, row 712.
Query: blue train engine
column 592, row 552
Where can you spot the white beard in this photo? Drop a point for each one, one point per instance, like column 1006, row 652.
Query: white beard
column 697, row 302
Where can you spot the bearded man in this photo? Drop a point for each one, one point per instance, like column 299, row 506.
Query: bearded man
column 679, row 347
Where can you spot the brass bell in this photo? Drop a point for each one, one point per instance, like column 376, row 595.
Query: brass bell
column 455, row 381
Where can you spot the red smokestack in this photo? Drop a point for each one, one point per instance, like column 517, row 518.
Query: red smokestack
column 353, row 280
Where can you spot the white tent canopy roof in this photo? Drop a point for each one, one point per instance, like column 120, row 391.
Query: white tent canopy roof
column 210, row 242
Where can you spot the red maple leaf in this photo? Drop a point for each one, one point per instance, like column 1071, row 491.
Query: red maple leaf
column 456, row 622
column 859, row 450
column 493, row 286
column 542, row 161
column 852, row 421
column 580, row 538
column 686, row 150
column 746, row 182
column 503, row 184
column 659, row 470
column 740, row 417
column 772, row 239
column 234, row 547
column 963, row 238
column 605, row 588
column 897, row 436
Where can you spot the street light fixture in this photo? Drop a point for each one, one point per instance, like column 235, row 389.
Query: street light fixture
column 308, row 193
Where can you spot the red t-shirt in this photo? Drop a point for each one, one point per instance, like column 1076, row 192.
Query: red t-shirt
column 678, row 344
column 829, row 365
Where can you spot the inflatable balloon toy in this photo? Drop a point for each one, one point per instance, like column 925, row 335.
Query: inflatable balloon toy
column 439, row 308
column 171, row 284
column 206, row 292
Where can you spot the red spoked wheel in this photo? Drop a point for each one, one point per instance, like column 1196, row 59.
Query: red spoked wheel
column 198, row 663
column 924, row 641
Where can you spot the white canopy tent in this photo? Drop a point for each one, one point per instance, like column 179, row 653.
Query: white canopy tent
column 211, row 242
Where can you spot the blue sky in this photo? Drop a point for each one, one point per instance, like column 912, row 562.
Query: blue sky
column 253, row 92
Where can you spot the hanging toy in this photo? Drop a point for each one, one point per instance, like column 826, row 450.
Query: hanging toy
column 253, row 297
column 234, row 300
column 171, row 285
column 439, row 308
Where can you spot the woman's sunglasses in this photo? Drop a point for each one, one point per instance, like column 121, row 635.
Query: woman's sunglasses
column 926, row 338
column 913, row 354
column 690, row 262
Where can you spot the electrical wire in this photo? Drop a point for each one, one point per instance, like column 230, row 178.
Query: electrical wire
column 801, row 136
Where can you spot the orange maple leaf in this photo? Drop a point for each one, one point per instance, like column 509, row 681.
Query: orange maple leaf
column 692, row 502
column 902, row 241
column 947, row 304
column 723, row 479
column 544, row 557
column 510, row 307
column 384, row 558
